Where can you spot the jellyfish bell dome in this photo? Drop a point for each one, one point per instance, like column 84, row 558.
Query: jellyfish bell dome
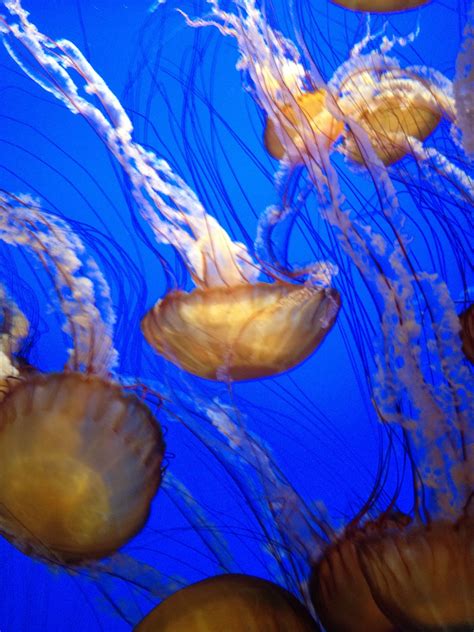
column 243, row 332
column 380, row 6
column 308, row 109
column 390, row 117
column 340, row 593
column 338, row 588
column 422, row 577
column 398, row 575
column 232, row 603
column 467, row 332
column 80, row 462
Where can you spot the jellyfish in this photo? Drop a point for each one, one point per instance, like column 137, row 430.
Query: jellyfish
column 400, row 328
column 375, row 113
column 467, row 332
column 230, row 602
column 80, row 458
column 380, row 6
column 413, row 574
column 232, row 326
column 370, row 97
column 311, row 106
column 391, row 574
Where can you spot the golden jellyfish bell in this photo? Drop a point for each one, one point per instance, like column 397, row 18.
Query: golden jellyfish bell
column 390, row 121
column 308, row 111
column 232, row 603
column 340, row 594
column 380, row 6
column 467, row 332
column 339, row 590
column 243, row 332
column 80, row 462
column 423, row 577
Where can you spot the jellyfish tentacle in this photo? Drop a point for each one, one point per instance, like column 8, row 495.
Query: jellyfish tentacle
column 464, row 86
column 433, row 158
column 24, row 223
column 13, row 331
column 224, row 270
column 291, row 531
column 169, row 206
column 385, row 262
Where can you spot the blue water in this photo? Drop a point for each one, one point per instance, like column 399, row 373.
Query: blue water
column 317, row 419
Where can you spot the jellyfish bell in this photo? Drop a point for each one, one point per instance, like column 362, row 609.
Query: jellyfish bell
column 392, row 107
column 398, row 574
column 308, row 111
column 232, row 603
column 467, row 332
column 80, row 462
column 422, row 577
column 338, row 589
column 380, row 6
column 390, row 125
column 229, row 327
column 341, row 595
column 241, row 332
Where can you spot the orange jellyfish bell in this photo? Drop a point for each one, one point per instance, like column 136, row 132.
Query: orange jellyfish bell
column 380, row 6
column 307, row 113
column 339, row 590
column 394, row 575
column 232, row 603
column 244, row 332
column 391, row 120
column 422, row 577
column 467, row 332
column 340, row 593
column 80, row 460
column 79, row 465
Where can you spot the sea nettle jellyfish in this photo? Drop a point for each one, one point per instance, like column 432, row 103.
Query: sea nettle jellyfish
column 380, row 6
column 414, row 572
column 232, row 326
column 232, row 603
column 467, row 332
column 376, row 113
column 369, row 99
column 80, row 460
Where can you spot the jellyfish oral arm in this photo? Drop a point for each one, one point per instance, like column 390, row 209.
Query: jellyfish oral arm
column 14, row 329
column 166, row 203
column 276, row 77
column 464, row 86
column 24, row 224
column 271, row 61
column 358, row 88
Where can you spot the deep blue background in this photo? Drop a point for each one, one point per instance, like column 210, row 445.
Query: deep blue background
column 317, row 418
